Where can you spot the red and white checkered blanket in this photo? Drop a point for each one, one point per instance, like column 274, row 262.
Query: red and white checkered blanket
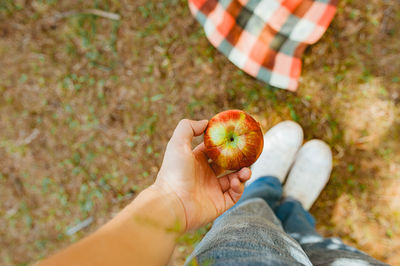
column 265, row 38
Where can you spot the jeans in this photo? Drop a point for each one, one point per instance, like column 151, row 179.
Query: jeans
column 263, row 230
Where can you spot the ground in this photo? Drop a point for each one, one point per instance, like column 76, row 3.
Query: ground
column 88, row 103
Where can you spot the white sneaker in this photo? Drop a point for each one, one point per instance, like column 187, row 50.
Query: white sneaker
column 281, row 144
column 310, row 173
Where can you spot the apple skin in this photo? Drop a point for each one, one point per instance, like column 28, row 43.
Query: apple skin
column 233, row 140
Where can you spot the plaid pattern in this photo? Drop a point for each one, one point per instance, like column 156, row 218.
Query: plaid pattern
column 265, row 38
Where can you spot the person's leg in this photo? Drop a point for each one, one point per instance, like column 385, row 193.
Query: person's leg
column 296, row 221
column 268, row 188
column 249, row 233
column 300, row 225
column 307, row 178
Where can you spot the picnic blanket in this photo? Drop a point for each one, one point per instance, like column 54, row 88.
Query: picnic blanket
column 265, row 38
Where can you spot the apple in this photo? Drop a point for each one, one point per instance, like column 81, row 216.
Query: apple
column 233, row 140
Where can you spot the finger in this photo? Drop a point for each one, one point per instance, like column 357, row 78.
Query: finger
column 201, row 148
column 244, row 174
column 186, row 130
column 224, row 183
column 200, row 153
column 236, row 188
column 216, row 168
column 228, row 200
column 234, row 193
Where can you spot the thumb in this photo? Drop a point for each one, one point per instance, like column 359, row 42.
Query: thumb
column 186, row 130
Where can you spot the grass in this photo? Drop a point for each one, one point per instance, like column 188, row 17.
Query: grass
column 87, row 105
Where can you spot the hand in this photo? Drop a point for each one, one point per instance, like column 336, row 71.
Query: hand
column 187, row 174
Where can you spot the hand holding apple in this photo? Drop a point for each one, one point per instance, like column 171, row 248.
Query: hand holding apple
column 233, row 140
column 186, row 174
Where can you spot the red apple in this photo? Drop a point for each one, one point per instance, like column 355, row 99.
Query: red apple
column 233, row 140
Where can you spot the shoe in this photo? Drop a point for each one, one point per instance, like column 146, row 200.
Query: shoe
column 281, row 144
column 310, row 173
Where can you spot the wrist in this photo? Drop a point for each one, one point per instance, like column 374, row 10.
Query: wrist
column 172, row 205
column 152, row 221
column 158, row 208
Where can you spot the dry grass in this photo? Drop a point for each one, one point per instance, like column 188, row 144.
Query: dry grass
column 87, row 105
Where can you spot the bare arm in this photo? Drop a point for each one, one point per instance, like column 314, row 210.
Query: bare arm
column 143, row 233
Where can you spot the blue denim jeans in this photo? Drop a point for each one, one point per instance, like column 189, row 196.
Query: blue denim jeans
column 261, row 229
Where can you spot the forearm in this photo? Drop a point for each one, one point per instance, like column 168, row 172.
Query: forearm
column 144, row 233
